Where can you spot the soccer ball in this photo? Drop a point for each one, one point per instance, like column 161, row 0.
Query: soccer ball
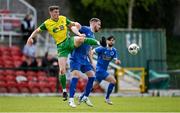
column 133, row 49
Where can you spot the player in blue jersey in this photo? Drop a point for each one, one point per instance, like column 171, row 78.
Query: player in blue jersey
column 81, row 62
column 105, row 56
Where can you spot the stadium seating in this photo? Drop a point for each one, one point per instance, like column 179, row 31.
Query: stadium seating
column 19, row 81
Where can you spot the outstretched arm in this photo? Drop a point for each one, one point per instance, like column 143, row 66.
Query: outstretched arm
column 32, row 37
column 75, row 27
column 117, row 61
column 91, row 53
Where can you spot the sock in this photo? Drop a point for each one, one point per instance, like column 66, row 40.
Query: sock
column 81, row 96
column 64, row 90
column 71, row 99
column 90, row 41
column 89, row 86
column 62, row 79
column 72, row 88
column 109, row 91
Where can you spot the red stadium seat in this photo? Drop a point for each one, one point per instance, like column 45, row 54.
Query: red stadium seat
column 2, row 78
column 15, row 48
column 3, row 90
column 31, row 73
column 5, row 11
column 4, row 48
column 52, row 86
column 45, row 90
column 42, row 78
column 1, row 62
column 2, row 72
column 44, row 87
column 6, row 53
column 9, row 72
column 32, row 78
column 2, row 84
column 33, row 87
column 35, row 90
column 6, row 58
column 17, row 63
column 24, row 90
column 11, row 84
column 41, row 73
column 12, row 87
column 52, row 79
column 32, row 84
column 20, row 73
column 13, row 90
column 17, row 58
column 98, row 89
column 42, row 84
column 81, row 84
column 10, row 78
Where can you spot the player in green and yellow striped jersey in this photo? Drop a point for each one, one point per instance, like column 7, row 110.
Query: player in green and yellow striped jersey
column 58, row 26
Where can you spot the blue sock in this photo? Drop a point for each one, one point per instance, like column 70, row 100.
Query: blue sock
column 109, row 91
column 72, row 88
column 89, row 86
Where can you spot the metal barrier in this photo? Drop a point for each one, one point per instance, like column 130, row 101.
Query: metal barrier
column 10, row 17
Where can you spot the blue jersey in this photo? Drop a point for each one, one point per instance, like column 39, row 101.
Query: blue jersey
column 80, row 54
column 105, row 55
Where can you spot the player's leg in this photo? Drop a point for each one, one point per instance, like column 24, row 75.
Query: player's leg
column 98, row 79
column 62, row 77
column 88, row 69
column 79, row 40
column 74, row 68
column 95, row 84
column 112, row 82
column 63, row 52
column 72, row 89
column 88, row 88
column 91, row 78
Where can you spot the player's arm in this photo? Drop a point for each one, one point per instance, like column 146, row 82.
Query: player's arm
column 116, row 60
column 75, row 27
column 91, row 53
column 34, row 34
column 98, row 50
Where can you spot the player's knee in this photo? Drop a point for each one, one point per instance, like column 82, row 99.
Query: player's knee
column 90, row 74
column 76, row 73
column 62, row 71
column 113, row 81
column 80, row 39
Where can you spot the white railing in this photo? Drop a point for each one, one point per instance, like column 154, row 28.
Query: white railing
column 6, row 19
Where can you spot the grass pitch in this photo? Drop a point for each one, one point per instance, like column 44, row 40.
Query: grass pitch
column 121, row 104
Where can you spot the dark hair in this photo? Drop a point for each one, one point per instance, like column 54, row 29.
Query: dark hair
column 51, row 8
column 110, row 37
column 95, row 20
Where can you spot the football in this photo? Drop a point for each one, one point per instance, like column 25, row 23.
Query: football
column 133, row 49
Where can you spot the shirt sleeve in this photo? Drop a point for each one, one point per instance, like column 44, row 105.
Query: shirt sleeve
column 42, row 27
column 98, row 50
column 68, row 21
column 82, row 30
column 115, row 54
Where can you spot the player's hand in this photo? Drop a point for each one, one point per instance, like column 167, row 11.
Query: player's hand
column 94, row 66
column 77, row 25
column 117, row 61
column 30, row 41
column 82, row 35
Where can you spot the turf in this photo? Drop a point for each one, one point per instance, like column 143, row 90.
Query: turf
column 121, row 104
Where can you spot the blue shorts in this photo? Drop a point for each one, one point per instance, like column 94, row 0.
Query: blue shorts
column 101, row 75
column 81, row 67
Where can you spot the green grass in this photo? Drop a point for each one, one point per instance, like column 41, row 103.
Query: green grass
column 121, row 104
